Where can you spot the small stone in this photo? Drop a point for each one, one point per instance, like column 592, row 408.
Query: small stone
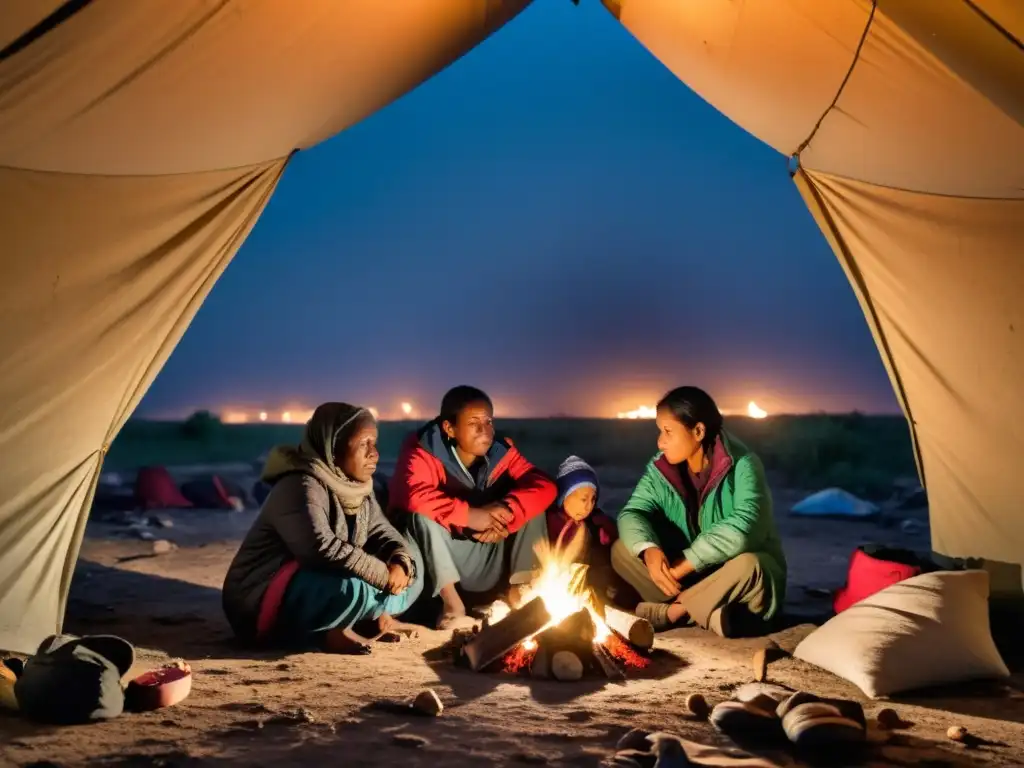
column 635, row 739
column 957, row 733
column 566, row 666
column 698, row 706
column 410, row 740
column 889, row 719
column 163, row 546
column 428, row 702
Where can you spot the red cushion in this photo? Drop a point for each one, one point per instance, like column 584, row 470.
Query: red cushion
column 868, row 575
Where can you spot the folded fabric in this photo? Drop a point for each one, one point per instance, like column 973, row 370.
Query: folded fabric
column 74, row 680
column 871, row 570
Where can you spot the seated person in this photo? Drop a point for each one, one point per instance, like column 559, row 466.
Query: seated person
column 320, row 555
column 697, row 538
column 471, row 502
column 575, row 513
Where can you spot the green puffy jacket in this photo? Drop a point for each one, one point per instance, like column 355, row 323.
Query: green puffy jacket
column 735, row 516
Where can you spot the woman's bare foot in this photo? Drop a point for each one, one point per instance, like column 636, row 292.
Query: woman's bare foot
column 453, row 611
column 391, row 630
column 346, row 642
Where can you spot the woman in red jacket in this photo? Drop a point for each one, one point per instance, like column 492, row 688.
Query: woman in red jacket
column 475, row 502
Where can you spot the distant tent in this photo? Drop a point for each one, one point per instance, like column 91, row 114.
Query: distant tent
column 138, row 147
column 156, row 489
column 835, row 502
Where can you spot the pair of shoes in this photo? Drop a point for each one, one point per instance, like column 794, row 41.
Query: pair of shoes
column 805, row 720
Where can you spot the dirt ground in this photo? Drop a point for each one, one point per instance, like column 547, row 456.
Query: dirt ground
column 273, row 709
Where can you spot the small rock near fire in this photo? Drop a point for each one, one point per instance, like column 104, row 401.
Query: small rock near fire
column 698, row 706
column 566, row 666
column 428, row 702
column 956, row 733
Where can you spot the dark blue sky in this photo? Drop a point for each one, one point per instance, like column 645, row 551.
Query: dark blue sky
column 555, row 218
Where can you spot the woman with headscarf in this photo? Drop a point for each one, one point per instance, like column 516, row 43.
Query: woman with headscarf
column 321, row 556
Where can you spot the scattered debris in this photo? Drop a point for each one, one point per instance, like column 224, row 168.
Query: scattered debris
column 636, row 738
column 957, row 733
column 163, row 546
column 698, row 706
column 428, row 703
column 889, row 719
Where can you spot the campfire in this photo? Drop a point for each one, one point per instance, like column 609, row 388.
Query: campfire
column 560, row 631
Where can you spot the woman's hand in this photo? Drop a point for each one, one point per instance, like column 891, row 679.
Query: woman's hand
column 660, row 572
column 398, row 579
column 681, row 570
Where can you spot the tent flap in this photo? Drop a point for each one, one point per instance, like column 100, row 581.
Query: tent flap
column 102, row 276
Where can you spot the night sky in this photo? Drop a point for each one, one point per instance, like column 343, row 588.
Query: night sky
column 555, row 218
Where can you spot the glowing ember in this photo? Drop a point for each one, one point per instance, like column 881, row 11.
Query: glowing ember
column 622, row 651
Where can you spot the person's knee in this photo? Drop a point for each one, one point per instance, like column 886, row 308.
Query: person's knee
column 747, row 563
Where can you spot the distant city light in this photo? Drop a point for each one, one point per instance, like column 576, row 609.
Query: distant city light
column 755, row 412
column 263, row 415
column 286, row 417
column 234, row 417
column 641, row 412
column 407, row 409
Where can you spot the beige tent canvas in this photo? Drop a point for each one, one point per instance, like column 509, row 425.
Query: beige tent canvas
column 138, row 146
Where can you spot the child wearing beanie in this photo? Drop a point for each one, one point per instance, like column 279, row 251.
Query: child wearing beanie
column 576, row 508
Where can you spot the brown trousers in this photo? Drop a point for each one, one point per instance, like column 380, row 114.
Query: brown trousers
column 737, row 586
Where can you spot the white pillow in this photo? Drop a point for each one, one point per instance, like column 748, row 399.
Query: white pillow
column 932, row 629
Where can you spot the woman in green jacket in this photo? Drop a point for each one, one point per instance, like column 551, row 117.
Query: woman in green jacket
column 697, row 539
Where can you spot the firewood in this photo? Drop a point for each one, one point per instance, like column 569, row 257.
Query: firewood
column 575, row 634
column 638, row 631
column 607, row 663
column 496, row 640
column 540, row 669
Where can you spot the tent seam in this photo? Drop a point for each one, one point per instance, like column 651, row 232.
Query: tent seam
column 995, row 24
column 860, row 286
column 910, row 191
column 195, row 172
column 842, row 85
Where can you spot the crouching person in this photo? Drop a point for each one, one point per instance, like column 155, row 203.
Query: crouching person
column 474, row 504
column 321, row 556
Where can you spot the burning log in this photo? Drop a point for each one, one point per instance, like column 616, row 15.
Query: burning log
column 575, row 633
column 497, row 639
column 638, row 631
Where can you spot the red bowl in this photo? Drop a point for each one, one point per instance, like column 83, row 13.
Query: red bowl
column 159, row 688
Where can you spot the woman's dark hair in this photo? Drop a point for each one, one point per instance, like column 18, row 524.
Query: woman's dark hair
column 693, row 406
column 457, row 398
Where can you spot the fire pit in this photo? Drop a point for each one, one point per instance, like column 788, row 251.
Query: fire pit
column 560, row 631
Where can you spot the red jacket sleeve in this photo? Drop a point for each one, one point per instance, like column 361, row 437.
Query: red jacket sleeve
column 532, row 494
column 416, row 487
